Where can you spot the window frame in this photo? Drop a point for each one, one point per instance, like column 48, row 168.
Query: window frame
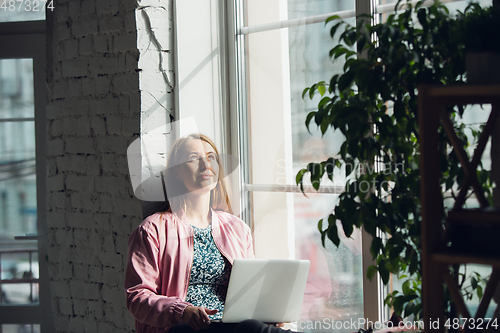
column 28, row 40
column 372, row 289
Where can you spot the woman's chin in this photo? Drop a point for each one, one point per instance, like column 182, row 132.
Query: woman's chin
column 203, row 188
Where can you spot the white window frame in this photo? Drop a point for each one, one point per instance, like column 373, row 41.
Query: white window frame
column 372, row 290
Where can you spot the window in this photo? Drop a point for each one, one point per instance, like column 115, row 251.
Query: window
column 26, row 10
column 25, row 294
column 264, row 93
column 283, row 47
column 273, row 51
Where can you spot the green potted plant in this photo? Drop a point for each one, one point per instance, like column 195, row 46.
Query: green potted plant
column 374, row 104
column 481, row 37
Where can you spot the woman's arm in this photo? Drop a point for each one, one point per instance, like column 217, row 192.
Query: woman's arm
column 250, row 253
column 143, row 283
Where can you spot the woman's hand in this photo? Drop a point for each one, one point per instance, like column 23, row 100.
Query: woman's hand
column 197, row 317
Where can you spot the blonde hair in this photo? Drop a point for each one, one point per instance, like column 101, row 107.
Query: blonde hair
column 175, row 188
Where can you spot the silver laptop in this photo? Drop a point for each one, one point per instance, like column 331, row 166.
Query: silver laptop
column 267, row 290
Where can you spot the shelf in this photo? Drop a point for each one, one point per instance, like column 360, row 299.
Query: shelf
column 465, row 94
column 471, row 232
column 480, row 217
column 456, row 258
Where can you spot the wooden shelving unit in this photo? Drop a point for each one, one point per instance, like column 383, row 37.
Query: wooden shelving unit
column 436, row 256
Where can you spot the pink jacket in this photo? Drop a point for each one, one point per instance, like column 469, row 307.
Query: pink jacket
column 160, row 254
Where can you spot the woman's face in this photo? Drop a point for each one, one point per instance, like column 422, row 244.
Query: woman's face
column 200, row 170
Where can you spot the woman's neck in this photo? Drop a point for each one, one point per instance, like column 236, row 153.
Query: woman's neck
column 198, row 210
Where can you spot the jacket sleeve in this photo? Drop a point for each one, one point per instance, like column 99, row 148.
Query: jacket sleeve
column 143, row 283
column 249, row 251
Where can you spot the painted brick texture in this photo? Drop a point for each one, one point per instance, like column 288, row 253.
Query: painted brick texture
column 94, row 112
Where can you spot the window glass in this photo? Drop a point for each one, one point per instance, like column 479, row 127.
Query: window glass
column 20, row 276
column 305, row 8
column 263, row 12
column 269, row 107
column 25, row 328
column 16, row 89
column 277, row 76
column 309, row 47
column 280, row 63
column 18, row 201
column 17, row 148
column 24, row 10
column 334, row 288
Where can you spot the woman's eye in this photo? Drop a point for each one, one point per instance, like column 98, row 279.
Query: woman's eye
column 211, row 157
column 193, row 158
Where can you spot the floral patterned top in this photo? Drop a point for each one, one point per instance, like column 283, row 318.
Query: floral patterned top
column 209, row 274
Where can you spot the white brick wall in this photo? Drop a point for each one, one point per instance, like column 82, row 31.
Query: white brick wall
column 94, row 113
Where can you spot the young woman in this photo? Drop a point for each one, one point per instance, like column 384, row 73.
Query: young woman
column 179, row 260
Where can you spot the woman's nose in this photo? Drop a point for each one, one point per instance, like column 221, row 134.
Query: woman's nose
column 204, row 163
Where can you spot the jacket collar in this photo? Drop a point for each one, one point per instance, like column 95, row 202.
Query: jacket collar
column 182, row 218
